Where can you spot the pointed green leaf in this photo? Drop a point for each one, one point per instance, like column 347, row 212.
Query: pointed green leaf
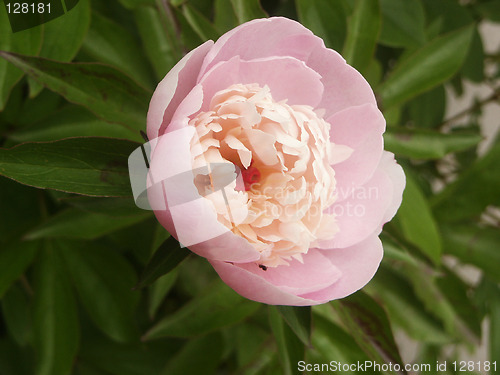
column 107, row 92
column 200, row 24
column 368, row 323
column 55, row 316
column 427, row 110
column 427, row 144
column 218, row 306
column 362, row 34
column 103, row 280
column 89, row 166
column 290, row 348
column 417, row 221
column 26, row 42
column 434, row 63
column 17, row 315
column 168, row 256
column 14, row 259
column 74, row 223
column 247, row 10
column 299, row 320
column 159, row 290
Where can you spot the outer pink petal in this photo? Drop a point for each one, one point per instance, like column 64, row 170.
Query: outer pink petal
column 357, row 263
column 364, row 208
column 315, row 273
column 361, row 129
column 344, row 86
column 394, row 171
column 256, row 288
column 192, row 221
column 276, row 36
column 287, row 77
column 173, row 88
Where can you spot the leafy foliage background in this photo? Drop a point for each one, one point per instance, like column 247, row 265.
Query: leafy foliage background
column 73, row 245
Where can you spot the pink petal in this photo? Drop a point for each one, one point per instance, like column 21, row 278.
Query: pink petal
column 287, row 77
column 357, row 263
column 173, row 88
column 276, row 36
column 394, row 171
column 364, row 209
column 359, row 128
column 187, row 216
column 344, row 86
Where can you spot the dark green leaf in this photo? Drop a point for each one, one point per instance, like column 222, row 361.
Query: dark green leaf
column 472, row 191
column 161, row 47
column 104, row 279
column 26, row 42
column 247, row 10
column 299, row 320
column 428, row 144
column 131, row 4
column 216, row 307
column 494, row 339
column 110, row 43
column 429, row 66
column 111, row 207
column 224, row 17
column 417, row 222
column 74, row 223
column 362, row 34
column 368, row 323
column 473, row 68
column 249, row 342
column 199, row 23
column 89, row 166
column 290, row 348
column 105, row 91
column 489, row 10
column 199, row 356
column 427, row 110
column 17, row 309
column 326, row 19
column 159, row 290
column 168, row 256
column 403, row 23
column 14, row 259
column 55, row 316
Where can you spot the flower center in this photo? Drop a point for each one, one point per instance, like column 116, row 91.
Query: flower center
column 278, row 203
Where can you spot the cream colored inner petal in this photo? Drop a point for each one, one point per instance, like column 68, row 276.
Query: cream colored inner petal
column 283, row 154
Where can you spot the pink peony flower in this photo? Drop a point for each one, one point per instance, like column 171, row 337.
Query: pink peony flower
column 267, row 159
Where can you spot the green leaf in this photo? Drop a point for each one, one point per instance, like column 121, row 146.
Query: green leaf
column 428, row 144
column 14, row 259
column 494, row 337
column 299, row 320
column 110, row 43
column 249, row 341
column 417, row 222
column 168, row 256
column 105, row 91
column 161, row 47
column 224, row 16
column 326, row 19
column 427, row 110
column 473, row 67
column 131, row 4
column 207, row 352
column 111, row 207
column 199, row 23
column 74, row 223
column 247, row 10
column 472, row 191
column 89, row 166
column 403, row 23
column 26, row 42
column 218, row 306
column 159, row 290
column 290, row 348
column 489, row 10
column 434, row 63
column 103, row 280
column 474, row 245
column 55, row 321
column 17, row 311
column 368, row 323
column 362, row 34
